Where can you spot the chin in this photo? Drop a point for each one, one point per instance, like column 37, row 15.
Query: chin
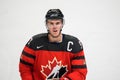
column 55, row 36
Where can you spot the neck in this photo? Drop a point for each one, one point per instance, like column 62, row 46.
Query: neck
column 55, row 39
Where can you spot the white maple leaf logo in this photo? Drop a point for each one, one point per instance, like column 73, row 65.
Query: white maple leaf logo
column 54, row 67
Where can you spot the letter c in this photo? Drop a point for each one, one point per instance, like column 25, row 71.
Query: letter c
column 68, row 46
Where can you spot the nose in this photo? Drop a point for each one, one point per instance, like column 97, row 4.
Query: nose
column 54, row 25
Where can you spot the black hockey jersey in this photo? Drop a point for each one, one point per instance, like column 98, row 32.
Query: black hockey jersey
column 44, row 60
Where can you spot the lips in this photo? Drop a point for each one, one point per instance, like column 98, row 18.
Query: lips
column 54, row 30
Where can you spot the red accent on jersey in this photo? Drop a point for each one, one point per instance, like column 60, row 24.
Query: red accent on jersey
column 51, row 62
column 29, row 50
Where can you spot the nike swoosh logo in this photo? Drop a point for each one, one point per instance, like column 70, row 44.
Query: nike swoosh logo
column 38, row 47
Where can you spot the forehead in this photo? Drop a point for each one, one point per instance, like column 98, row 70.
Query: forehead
column 54, row 20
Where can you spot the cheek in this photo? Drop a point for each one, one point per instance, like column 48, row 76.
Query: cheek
column 60, row 26
column 50, row 29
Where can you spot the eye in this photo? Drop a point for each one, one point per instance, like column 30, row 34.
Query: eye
column 57, row 23
column 51, row 23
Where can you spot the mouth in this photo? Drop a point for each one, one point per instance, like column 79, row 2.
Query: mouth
column 55, row 30
column 55, row 33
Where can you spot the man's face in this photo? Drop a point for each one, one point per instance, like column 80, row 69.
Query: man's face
column 54, row 26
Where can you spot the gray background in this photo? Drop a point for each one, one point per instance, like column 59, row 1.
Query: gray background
column 95, row 22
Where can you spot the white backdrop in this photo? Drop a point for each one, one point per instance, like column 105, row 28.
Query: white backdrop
column 95, row 22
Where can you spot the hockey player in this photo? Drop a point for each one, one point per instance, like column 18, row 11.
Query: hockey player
column 53, row 55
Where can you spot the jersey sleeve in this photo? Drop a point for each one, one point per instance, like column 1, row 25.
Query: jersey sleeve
column 26, row 61
column 78, row 63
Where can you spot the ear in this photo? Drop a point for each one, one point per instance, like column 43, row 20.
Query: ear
column 46, row 27
column 63, row 23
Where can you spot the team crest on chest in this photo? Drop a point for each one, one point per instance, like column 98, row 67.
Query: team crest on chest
column 54, row 69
